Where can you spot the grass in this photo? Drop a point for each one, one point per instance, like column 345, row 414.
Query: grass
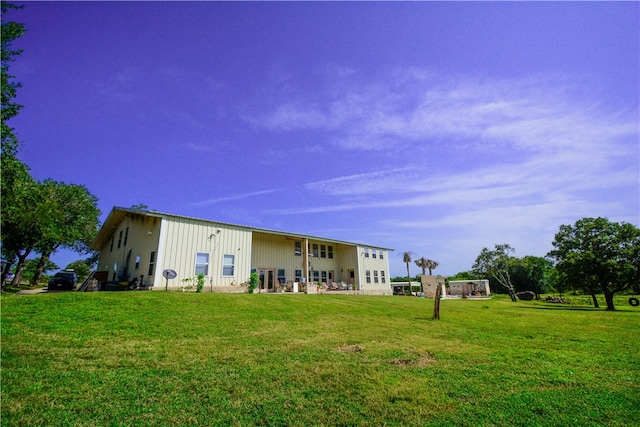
column 156, row 358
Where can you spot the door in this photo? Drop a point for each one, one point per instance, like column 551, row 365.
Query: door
column 267, row 279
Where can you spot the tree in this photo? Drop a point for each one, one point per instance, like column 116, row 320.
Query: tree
column 496, row 264
column 425, row 264
column 595, row 252
column 406, row 258
column 69, row 218
column 530, row 274
column 30, row 268
column 10, row 32
column 43, row 217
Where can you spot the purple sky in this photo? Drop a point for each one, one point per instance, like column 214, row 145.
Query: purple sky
column 437, row 128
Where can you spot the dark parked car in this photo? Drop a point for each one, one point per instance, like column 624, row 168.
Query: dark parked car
column 63, row 280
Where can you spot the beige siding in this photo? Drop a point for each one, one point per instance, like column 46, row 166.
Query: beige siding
column 182, row 238
column 141, row 240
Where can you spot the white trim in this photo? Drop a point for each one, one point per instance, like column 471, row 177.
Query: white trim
column 157, row 275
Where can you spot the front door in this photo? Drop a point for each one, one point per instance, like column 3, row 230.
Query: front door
column 267, row 279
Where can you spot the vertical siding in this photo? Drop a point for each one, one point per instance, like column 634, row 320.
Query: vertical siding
column 142, row 240
column 184, row 237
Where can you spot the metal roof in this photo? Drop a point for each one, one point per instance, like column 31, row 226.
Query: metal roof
column 117, row 214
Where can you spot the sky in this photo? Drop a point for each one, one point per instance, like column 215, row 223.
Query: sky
column 438, row 128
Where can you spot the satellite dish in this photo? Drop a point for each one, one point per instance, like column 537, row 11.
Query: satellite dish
column 169, row 274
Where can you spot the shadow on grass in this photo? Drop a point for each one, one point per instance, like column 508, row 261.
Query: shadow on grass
column 569, row 308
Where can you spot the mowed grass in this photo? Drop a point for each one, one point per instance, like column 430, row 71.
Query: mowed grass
column 156, row 358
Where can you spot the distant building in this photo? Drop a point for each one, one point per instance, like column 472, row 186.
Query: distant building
column 136, row 243
column 470, row 287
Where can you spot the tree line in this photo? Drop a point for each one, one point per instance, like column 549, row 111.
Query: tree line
column 594, row 256
column 38, row 217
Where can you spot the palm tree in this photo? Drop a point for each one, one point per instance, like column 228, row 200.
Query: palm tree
column 406, row 257
column 425, row 264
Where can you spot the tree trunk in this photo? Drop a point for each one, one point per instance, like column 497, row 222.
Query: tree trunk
column 20, row 267
column 608, row 297
column 595, row 300
column 40, row 268
column 5, row 271
column 409, row 279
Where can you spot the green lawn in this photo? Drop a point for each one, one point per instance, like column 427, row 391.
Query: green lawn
column 156, row 358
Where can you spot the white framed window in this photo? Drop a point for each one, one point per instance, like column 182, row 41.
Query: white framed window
column 330, row 251
column 152, row 263
column 366, row 252
column 315, row 250
column 368, row 275
column 373, row 253
column 228, row 265
column 323, row 251
column 137, row 262
column 297, row 248
column 298, row 276
column 202, row 263
column 381, row 254
column 384, row 279
column 375, row 276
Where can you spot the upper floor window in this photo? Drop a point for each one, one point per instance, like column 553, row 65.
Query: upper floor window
column 323, row 251
column 113, row 237
column 375, row 276
column 315, row 250
column 202, row 263
column 126, row 236
column 366, row 252
column 330, row 251
column 381, row 254
column 120, row 239
column 384, row 280
column 367, row 273
column 297, row 248
column 373, row 253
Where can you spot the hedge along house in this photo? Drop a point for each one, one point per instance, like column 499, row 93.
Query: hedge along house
column 136, row 243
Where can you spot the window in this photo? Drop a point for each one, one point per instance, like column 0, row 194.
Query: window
column 202, row 263
column 316, row 276
column 323, row 251
column 384, row 280
column 381, row 255
column 373, row 253
column 228, row 265
column 126, row 236
column 297, row 248
column 375, row 276
column 113, row 237
column 323, row 276
column 366, row 252
column 120, row 239
column 137, row 262
column 315, row 250
column 298, row 277
column 368, row 275
column 282, row 277
column 152, row 263
column 330, row 251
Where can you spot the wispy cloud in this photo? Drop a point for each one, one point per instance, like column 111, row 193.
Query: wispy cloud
column 235, row 197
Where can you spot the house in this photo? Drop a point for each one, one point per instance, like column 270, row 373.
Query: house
column 143, row 244
column 470, row 287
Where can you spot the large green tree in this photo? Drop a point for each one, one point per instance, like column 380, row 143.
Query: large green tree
column 68, row 218
column 598, row 252
column 530, row 273
column 10, row 32
column 496, row 264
